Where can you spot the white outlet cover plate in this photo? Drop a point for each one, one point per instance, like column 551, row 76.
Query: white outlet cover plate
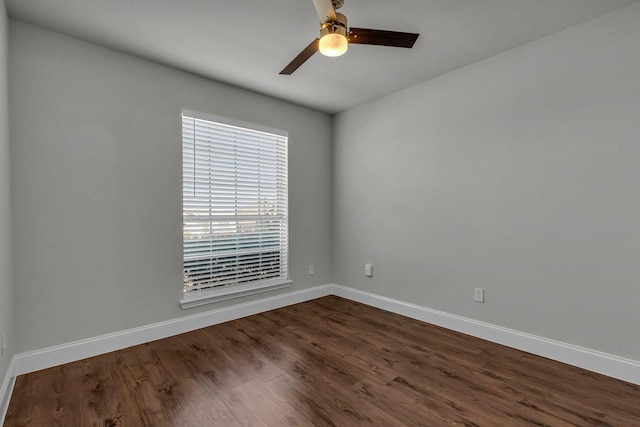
column 368, row 270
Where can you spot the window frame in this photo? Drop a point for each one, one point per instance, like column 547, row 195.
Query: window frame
column 226, row 292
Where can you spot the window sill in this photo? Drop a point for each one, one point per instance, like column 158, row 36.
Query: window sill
column 230, row 292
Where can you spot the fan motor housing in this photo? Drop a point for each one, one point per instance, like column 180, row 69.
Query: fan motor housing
column 339, row 26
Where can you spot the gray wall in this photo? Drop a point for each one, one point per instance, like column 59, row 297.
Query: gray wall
column 518, row 174
column 96, row 153
column 6, row 284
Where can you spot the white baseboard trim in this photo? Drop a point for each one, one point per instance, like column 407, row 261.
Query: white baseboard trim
column 596, row 361
column 6, row 388
column 57, row 355
column 603, row 363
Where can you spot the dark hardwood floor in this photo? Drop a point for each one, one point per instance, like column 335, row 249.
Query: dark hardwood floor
column 327, row 362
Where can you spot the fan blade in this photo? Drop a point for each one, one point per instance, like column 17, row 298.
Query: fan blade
column 301, row 58
column 325, row 9
column 382, row 37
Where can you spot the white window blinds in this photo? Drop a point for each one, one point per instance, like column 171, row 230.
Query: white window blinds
column 235, row 225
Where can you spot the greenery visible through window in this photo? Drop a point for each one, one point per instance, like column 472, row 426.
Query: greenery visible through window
column 235, row 225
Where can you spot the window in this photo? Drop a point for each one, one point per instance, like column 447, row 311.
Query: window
column 234, row 210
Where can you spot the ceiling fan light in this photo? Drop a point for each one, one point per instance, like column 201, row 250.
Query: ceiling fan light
column 333, row 44
column 333, row 37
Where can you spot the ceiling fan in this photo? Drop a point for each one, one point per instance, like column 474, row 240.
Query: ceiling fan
column 335, row 36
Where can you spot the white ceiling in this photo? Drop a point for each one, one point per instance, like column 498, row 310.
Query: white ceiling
column 247, row 42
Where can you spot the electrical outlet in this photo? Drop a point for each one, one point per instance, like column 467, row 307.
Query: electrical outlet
column 368, row 270
column 478, row 295
column 312, row 270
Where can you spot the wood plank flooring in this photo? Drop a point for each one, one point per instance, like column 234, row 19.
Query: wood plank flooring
column 327, row 362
